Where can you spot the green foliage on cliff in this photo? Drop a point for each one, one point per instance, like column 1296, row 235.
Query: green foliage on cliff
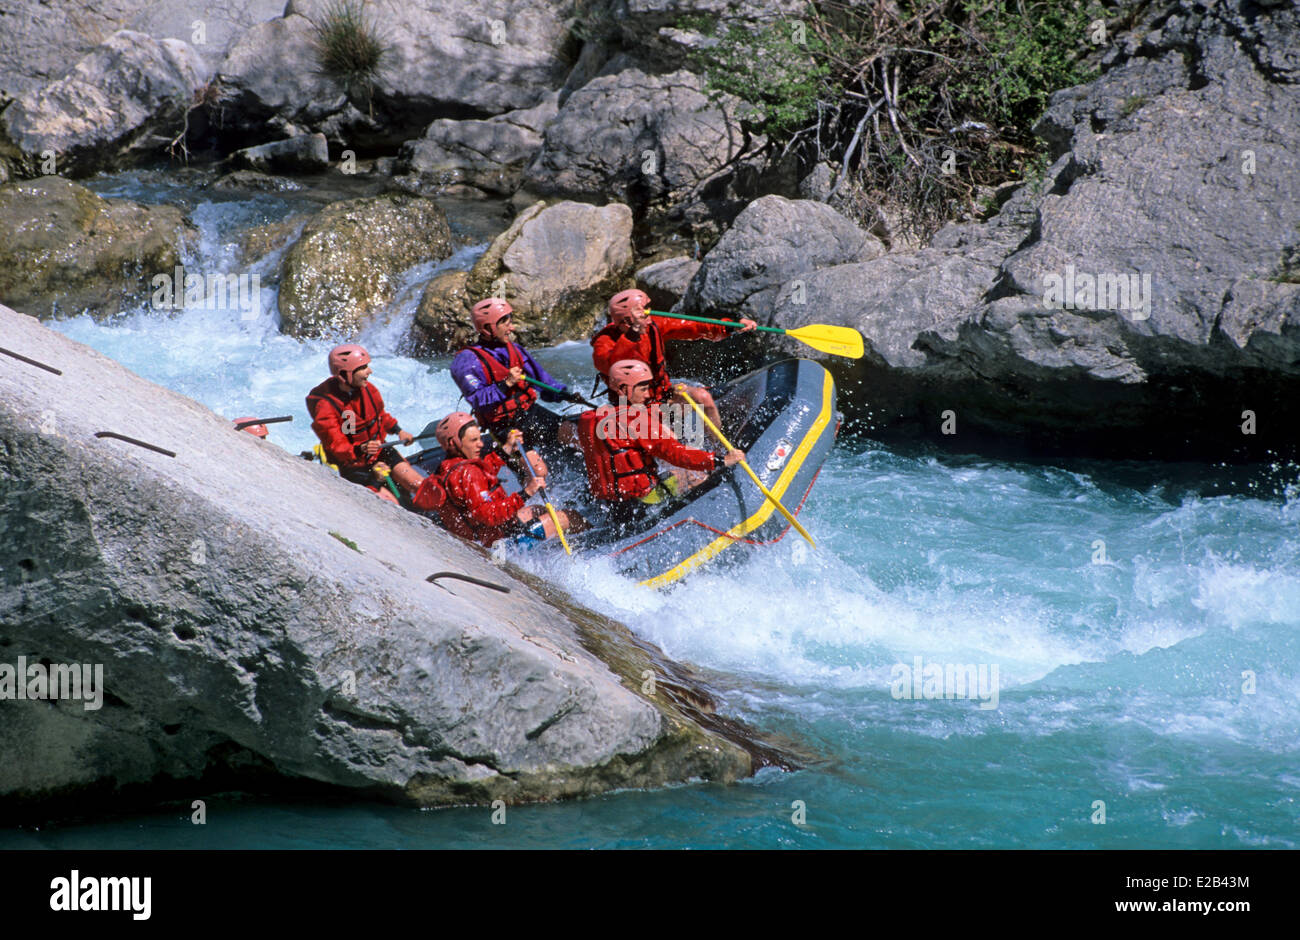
column 924, row 101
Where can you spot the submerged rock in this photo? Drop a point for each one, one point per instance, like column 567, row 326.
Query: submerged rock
column 66, row 251
column 125, row 101
column 252, row 610
column 344, row 267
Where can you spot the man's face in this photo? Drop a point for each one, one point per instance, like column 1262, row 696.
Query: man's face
column 357, row 378
column 503, row 328
column 635, row 319
column 637, row 394
column 471, row 442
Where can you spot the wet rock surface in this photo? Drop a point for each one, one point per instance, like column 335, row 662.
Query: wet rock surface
column 67, row 251
column 251, row 610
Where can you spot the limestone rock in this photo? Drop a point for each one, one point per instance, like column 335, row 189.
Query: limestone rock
column 666, row 281
column 442, row 322
column 344, row 267
column 306, row 153
column 67, row 251
column 489, row 154
column 771, row 243
column 557, row 265
column 41, row 39
column 125, row 101
column 651, row 141
column 237, row 630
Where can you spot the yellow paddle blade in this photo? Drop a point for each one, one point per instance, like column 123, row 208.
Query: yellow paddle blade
column 836, row 340
column 559, row 529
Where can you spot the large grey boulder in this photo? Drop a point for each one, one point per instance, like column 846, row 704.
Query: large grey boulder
column 344, row 267
column 271, row 76
column 488, row 154
column 41, row 39
column 66, row 251
column 125, row 101
column 254, row 612
column 557, row 265
column 446, row 59
column 1146, row 293
column 773, row 242
column 651, row 141
column 666, row 281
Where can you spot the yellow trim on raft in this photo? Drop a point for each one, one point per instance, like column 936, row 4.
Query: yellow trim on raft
column 765, row 511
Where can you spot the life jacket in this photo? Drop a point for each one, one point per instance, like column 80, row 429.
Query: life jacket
column 618, row 468
column 366, row 411
column 649, row 348
column 517, row 399
column 462, row 494
column 431, row 495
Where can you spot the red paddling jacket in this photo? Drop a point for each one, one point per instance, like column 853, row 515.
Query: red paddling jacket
column 620, row 444
column 477, row 507
column 333, row 406
column 612, row 344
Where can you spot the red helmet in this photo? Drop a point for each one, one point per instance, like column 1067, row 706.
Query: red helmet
column 487, row 312
column 257, row 430
column 347, row 358
column 622, row 303
column 449, row 429
column 627, row 373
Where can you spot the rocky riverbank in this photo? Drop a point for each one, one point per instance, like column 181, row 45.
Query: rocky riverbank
column 1139, row 300
column 254, row 614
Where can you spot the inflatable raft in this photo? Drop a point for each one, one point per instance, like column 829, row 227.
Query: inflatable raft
column 783, row 416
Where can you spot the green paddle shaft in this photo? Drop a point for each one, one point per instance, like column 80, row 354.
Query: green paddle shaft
column 731, row 323
column 550, row 388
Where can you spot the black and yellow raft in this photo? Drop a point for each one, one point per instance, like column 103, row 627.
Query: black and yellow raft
column 783, row 416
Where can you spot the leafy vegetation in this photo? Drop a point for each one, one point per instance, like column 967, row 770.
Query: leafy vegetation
column 918, row 104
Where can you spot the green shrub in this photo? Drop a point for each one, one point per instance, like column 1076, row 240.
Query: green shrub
column 349, row 48
column 920, row 102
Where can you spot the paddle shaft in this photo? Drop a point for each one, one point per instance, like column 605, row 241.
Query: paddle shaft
column 681, row 389
column 728, row 323
column 532, row 475
column 397, row 440
column 550, row 388
column 835, row 340
column 252, row 421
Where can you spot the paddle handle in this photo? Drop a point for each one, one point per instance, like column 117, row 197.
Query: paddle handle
column 727, row 323
column 748, row 469
column 532, row 475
